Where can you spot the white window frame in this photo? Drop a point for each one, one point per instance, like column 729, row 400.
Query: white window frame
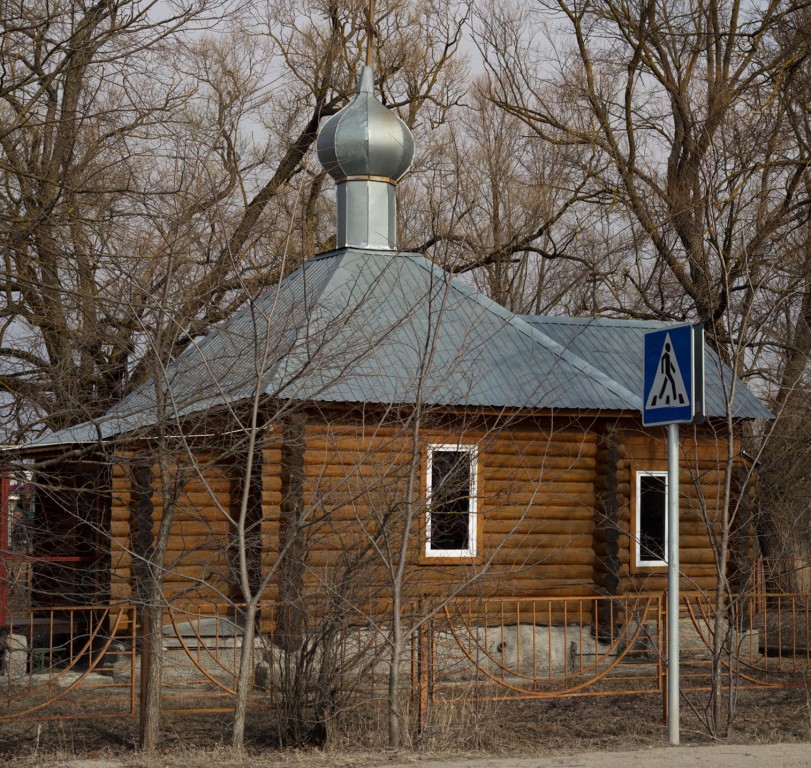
column 473, row 458
column 642, row 562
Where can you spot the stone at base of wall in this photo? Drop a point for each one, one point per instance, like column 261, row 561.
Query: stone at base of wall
column 13, row 655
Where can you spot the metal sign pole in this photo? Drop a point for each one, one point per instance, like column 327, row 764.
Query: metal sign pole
column 673, row 394
column 673, row 584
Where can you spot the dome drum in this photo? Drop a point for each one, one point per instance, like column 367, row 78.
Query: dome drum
column 367, row 214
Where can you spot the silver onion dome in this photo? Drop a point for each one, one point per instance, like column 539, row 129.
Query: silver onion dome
column 365, row 138
column 366, row 149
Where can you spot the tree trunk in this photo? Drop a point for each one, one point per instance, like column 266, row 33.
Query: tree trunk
column 244, row 677
column 395, row 711
column 151, row 623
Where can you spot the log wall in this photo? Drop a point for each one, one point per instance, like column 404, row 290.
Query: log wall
column 554, row 513
column 197, row 567
column 536, row 495
column 701, row 456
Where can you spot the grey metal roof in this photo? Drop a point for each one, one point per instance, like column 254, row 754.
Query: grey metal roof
column 363, row 326
column 615, row 347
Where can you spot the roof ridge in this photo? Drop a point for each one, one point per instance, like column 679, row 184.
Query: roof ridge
column 633, row 400
column 577, row 320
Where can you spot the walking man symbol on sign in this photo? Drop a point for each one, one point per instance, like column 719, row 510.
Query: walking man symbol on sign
column 672, row 375
column 668, row 388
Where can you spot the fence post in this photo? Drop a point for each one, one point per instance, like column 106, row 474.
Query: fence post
column 662, row 655
column 5, row 543
column 423, row 677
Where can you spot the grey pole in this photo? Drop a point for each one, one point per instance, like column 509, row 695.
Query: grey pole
column 673, row 584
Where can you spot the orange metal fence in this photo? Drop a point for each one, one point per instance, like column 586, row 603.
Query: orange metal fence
column 546, row 647
column 68, row 663
column 552, row 647
column 84, row 662
column 784, row 575
column 202, row 650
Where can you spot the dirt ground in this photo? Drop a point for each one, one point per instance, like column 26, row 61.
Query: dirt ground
column 772, row 730
column 717, row 756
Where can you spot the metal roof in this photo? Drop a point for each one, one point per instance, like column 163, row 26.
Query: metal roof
column 615, row 347
column 363, row 326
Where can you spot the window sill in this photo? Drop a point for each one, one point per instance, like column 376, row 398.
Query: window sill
column 642, row 569
column 449, row 559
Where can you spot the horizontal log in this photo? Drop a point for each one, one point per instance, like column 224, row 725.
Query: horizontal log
column 377, row 437
column 655, row 457
column 541, row 480
column 510, row 511
column 552, row 437
column 658, row 583
column 621, row 545
column 209, row 539
column 381, row 472
column 547, row 541
column 555, row 573
column 689, row 542
column 271, row 481
column 210, row 515
column 209, row 475
column 558, row 556
column 203, row 526
column 537, row 454
column 505, row 493
column 183, row 573
column 337, row 428
column 501, row 526
column 216, row 558
column 565, row 553
column 582, row 493
column 693, row 569
column 536, row 462
column 204, row 497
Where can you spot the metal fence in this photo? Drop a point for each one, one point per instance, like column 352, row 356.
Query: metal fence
column 85, row 661
column 68, row 662
column 546, row 647
column 590, row 646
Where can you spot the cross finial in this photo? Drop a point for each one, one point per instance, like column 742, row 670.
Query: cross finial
column 371, row 31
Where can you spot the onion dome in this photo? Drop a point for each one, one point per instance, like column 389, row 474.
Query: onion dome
column 366, row 149
column 365, row 139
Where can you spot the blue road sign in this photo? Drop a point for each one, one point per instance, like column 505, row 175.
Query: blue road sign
column 669, row 384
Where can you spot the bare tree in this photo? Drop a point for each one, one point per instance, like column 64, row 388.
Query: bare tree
column 661, row 92
column 160, row 143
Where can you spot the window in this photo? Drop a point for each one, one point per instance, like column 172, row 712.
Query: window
column 450, row 528
column 15, row 529
column 651, row 519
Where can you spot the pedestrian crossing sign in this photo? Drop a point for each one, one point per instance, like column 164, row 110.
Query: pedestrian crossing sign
column 673, row 376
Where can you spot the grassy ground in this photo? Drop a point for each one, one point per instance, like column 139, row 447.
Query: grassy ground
column 529, row 728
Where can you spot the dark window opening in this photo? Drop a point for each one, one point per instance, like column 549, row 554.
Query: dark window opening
column 652, row 514
column 451, row 490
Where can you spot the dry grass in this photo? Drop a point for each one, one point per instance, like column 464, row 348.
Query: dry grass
column 357, row 738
